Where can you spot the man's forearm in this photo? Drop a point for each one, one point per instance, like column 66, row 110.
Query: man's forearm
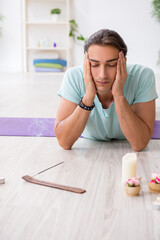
column 70, row 129
column 134, row 129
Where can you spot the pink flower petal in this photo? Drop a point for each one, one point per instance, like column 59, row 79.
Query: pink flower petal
column 154, row 175
column 157, row 179
column 135, row 179
column 152, row 181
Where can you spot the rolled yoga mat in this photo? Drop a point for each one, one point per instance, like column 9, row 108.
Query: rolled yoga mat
column 41, row 127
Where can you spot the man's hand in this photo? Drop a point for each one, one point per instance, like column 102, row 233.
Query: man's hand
column 117, row 88
column 89, row 83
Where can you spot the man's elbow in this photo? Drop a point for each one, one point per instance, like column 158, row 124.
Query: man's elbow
column 61, row 142
column 140, row 146
column 137, row 148
column 65, row 146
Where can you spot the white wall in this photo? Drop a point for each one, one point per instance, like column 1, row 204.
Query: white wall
column 11, row 42
column 131, row 19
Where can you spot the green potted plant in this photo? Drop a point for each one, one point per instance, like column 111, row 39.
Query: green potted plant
column 74, row 32
column 55, row 13
column 156, row 9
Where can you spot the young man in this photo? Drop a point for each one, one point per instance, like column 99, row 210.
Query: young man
column 106, row 99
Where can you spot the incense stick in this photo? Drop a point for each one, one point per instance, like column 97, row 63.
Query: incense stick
column 47, row 169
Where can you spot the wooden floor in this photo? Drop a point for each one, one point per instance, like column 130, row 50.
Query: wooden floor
column 28, row 95
column 33, row 212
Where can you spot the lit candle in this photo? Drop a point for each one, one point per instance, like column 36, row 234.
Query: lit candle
column 156, row 204
column 2, row 180
column 129, row 166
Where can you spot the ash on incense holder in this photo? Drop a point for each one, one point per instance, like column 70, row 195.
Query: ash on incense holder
column 132, row 186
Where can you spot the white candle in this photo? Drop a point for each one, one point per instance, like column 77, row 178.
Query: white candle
column 129, row 166
column 2, row 180
column 156, row 204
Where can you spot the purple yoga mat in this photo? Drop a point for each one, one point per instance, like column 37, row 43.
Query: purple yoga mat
column 40, row 127
column 156, row 130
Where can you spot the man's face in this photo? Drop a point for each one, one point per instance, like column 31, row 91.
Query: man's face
column 103, row 60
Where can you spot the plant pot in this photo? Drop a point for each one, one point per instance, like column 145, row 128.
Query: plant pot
column 154, row 187
column 55, row 17
column 132, row 191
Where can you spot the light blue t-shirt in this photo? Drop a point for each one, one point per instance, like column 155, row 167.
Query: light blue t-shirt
column 103, row 124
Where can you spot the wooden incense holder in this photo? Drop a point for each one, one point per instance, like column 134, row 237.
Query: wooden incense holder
column 53, row 185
